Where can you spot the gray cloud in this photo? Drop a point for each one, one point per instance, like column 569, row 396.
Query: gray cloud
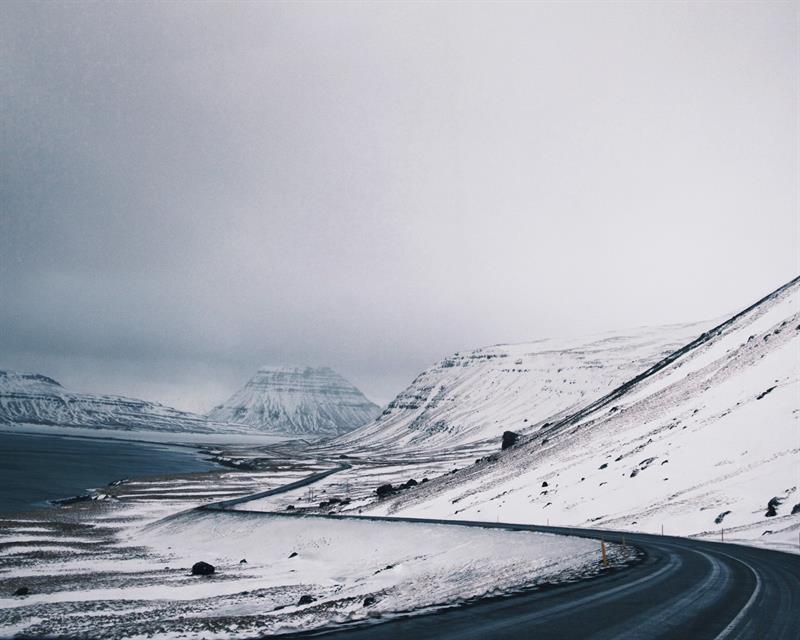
column 191, row 190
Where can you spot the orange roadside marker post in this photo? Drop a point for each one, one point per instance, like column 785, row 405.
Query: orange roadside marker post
column 603, row 552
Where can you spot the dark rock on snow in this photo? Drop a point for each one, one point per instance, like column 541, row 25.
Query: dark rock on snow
column 305, row 599
column 22, row 591
column 772, row 507
column 509, row 439
column 384, row 490
column 721, row 517
column 202, row 569
column 293, row 554
column 369, row 601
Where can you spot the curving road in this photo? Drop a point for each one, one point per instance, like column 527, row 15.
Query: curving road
column 683, row 589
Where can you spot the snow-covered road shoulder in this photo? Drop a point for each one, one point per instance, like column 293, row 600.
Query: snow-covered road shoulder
column 342, row 570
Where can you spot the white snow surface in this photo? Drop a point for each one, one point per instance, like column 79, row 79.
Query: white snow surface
column 297, row 401
column 339, row 563
column 474, row 396
column 701, row 445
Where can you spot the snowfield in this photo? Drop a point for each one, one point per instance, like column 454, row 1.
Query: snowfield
column 711, row 441
column 470, row 397
column 350, row 570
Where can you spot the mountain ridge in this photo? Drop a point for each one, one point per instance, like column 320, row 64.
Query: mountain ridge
column 33, row 398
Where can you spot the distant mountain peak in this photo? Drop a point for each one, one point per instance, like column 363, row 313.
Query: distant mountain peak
column 299, row 401
column 32, row 398
column 9, row 378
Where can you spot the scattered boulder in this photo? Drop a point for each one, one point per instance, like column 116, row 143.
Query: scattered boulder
column 796, row 508
column 305, row 599
column 424, row 480
column 202, row 569
column 410, row 483
column 242, row 561
column 544, row 484
column 721, row 517
column 604, row 465
column 22, row 591
column 509, row 439
column 761, row 395
column 772, row 507
column 290, row 507
column 293, row 554
column 385, row 490
column 369, row 601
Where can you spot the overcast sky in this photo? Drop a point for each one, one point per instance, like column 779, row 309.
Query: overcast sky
column 189, row 191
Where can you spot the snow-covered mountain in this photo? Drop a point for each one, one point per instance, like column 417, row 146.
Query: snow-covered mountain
column 297, row 401
column 708, row 438
column 469, row 397
column 36, row 399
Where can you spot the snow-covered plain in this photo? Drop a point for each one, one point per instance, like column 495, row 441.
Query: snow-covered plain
column 140, row 585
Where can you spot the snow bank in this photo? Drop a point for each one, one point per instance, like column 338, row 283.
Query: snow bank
column 350, row 569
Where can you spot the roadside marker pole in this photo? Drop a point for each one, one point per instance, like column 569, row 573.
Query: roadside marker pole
column 662, row 529
column 603, row 552
column 723, row 534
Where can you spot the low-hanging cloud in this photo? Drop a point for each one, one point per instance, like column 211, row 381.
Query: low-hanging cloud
column 191, row 190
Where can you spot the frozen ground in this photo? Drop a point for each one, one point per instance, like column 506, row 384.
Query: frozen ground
column 134, row 581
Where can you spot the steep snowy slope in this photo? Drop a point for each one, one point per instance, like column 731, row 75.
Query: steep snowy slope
column 707, row 439
column 300, row 401
column 469, row 397
column 37, row 399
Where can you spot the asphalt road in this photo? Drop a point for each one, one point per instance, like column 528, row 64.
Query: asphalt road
column 683, row 589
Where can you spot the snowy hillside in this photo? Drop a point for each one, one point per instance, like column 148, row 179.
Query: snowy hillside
column 707, row 439
column 37, row 399
column 473, row 396
column 299, row 401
